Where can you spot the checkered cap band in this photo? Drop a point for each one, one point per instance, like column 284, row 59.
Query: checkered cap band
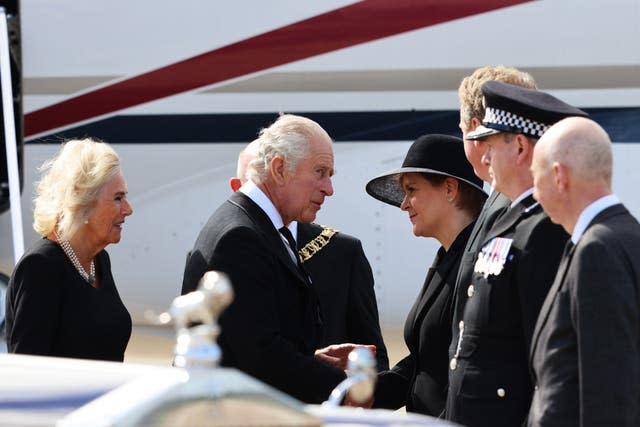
column 509, row 122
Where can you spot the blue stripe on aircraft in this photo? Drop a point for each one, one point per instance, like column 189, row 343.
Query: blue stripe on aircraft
column 622, row 124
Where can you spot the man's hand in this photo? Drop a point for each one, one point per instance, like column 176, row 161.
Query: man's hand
column 348, row 401
column 337, row 354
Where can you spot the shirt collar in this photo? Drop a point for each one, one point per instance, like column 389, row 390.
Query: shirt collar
column 521, row 197
column 252, row 191
column 589, row 213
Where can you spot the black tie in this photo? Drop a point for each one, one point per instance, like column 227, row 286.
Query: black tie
column 292, row 244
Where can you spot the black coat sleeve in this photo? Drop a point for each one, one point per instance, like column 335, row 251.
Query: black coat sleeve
column 605, row 316
column 252, row 335
column 34, row 301
column 363, row 322
column 392, row 387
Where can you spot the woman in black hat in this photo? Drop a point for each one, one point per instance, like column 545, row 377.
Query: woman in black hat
column 436, row 186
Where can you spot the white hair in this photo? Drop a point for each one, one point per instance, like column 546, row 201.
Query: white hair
column 289, row 137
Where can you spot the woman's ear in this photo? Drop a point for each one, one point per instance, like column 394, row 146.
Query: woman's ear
column 451, row 187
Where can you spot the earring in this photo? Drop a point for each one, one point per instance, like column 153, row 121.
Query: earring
column 449, row 198
column 86, row 221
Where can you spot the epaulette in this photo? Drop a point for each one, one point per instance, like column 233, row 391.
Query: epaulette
column 316, row 244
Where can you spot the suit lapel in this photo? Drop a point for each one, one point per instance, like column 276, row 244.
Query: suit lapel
column 268, row 230
column 562, row 272
column 436, row 278
column 543, row 315
column 483, row 217
column 428, row 289
column 508, row 220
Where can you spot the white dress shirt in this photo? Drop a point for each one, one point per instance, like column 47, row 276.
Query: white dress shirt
column 589, row 213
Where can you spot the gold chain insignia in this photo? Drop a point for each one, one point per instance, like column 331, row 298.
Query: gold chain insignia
column 316, row 244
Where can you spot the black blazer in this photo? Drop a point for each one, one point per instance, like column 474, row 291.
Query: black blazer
column 495, row 205
column 489, row 384
column 343, row 280
column 272, row 327
column 419, row 381
column 586, row 345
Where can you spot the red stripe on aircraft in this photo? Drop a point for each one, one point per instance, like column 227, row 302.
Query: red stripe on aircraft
column 348, row 26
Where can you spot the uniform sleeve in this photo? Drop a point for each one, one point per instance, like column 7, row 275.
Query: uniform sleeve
column 604, row 310
column 251, row 326
column 538, row 267
column 33, row 306
column 363, row 322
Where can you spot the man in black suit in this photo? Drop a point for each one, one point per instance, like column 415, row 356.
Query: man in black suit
column 273, row 327
column 489, row 382
column 585, row 353
column 472, row 111
column 340, row 274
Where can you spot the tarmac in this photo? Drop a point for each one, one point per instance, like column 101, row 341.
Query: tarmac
column 154, row 345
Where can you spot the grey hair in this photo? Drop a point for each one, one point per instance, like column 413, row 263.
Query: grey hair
column 71, row 184
column 289, row 137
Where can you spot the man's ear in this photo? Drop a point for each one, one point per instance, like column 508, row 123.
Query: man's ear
column 278, row 169
column 474, row 123
column 235, row 184
column 525, row 149
column 561, row 176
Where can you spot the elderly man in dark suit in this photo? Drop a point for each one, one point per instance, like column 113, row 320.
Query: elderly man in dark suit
column 472, row 111
column 273, row 327
column 586, row 345
column 489, row 383
column 340, row 274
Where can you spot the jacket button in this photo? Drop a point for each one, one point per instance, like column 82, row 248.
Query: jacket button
column 453, row 364
column 470, row 291
column 501, row 392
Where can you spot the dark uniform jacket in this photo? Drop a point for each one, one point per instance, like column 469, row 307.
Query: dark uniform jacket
column 586, row 345
column 495, row 206
column 343, row 280
column 419, row 381
column 489, row 382
column 272, row 327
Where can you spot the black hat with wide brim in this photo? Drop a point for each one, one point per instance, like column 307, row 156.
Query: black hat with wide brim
column 435, row 154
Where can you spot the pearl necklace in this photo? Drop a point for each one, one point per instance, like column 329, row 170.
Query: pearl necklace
column 68, row 250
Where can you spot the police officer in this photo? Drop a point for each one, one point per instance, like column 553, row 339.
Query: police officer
column 489, row 382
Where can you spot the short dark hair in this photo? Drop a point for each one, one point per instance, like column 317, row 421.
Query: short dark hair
column 469, row 199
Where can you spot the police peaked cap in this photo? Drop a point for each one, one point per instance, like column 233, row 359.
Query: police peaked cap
column 435, row 154
column 515, row 109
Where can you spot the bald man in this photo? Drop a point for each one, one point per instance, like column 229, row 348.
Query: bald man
column 585, row 353
column 340, row 274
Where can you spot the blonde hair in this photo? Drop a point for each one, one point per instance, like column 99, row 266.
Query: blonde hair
column 289, row 136
column 470, row 93
column 71, row 184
